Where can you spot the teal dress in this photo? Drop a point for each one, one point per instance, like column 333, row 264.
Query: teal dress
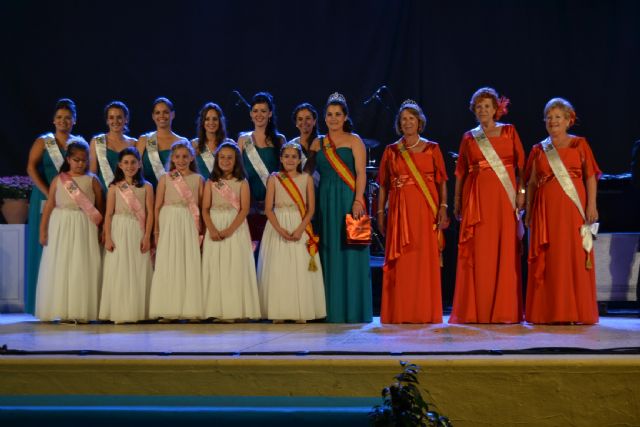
column 202, row 167
column 269, row 156
column 147, row 169
column 347, row 277
column 112, row 158
column 48, row 171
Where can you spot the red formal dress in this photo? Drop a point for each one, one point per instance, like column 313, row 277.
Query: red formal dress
column 560, row 287
column 411, row 276
column 488, row 274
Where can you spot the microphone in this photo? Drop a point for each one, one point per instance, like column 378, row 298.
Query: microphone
column 240, row 100
column 376, row 95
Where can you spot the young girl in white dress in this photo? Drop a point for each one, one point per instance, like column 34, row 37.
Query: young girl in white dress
column 128, row 224
column 69, row 277
column 228, row 269
column 289, row 272
column 176, row 288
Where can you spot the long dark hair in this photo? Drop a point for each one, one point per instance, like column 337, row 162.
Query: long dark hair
column 75, row 144
column 162, row 100
column 272, row 128
column 66, row 104
column 238, row 173
column 314, row 132
column 347, row 126
column 118, row 175
column 122, row 107
column 221, row 133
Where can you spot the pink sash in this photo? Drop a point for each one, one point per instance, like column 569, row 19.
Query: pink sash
column 133, row 203
column 227, row 193
column 80, row 198
column 187, row 195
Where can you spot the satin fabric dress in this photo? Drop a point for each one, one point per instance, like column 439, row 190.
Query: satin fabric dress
column 256, row 218
column 560, row 288
column 488, row 273
column 147, row 169
column 411, row 283
column 347, row 277
column 48, row 171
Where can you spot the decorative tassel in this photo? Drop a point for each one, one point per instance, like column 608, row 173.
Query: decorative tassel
column 589, row 265
column 312, row 264
column 441, row 260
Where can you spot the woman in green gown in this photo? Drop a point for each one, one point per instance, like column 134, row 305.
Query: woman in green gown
column 155, row 146
column 260, row 154
column 45, row 158
column 212, row 131
column 105, row 147
column 340, row 160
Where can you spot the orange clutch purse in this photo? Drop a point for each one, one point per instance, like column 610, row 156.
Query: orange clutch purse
column 358, row 230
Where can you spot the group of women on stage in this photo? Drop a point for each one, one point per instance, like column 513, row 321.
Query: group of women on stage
column 189, row 201
column 204, row 205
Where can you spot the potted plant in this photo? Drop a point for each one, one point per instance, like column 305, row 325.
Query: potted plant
column 403, row 405
column 14, row 193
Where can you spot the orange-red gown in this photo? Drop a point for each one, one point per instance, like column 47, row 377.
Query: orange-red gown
column 560, row 288
column 488, row 274
column 411, row 286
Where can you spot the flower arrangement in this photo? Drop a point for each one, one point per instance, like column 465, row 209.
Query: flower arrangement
column 15, row 187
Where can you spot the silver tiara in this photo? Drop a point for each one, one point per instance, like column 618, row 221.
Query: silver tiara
column 410, row 102
column 335, row 96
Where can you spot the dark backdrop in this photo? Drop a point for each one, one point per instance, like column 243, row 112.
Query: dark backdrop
column 437, row 53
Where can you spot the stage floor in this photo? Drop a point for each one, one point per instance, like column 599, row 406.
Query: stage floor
column 24, row 333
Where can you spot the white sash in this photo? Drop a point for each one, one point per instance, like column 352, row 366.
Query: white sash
column 101, row 155
column 256, row 161
column 587, row 231
column 53, row 150
column 207, row 157
column 154, row 156
column 303, row 159
column 495, row 162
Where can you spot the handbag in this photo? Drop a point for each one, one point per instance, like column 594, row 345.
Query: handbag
column 358, row 230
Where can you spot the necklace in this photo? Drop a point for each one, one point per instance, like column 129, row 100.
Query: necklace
column 414, row 145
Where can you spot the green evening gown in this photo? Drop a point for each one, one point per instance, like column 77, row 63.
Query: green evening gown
column 147, row 169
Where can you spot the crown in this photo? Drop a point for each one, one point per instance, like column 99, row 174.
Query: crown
column 410, row 102
column 335, row 96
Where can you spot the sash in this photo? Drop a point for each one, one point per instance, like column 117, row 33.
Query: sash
column 101, row 155
column 154, row 156
column 256, row 161
column 53, row 150
column 81, row 199
column 496, row 164
column 207, row 157
column 417, row 177
column 303, row 158
column 227, row 193
column 187, row 195
column 338, row 165
column 133, row 203
column 587, row 231
column 294, row 192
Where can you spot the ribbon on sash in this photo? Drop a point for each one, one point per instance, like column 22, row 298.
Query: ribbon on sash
column 154, row 155
column 133, row 203
column 187, row 195
column 587, row 231
column 256, row 161
column 53, row 150
column 294, row 192
column 422, row 185
column 80, row 199
column 500, row 170
column 227, row 193
column 338, row 165
column 101, row 155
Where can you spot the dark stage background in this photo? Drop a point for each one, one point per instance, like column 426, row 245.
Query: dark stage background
column 437, row 53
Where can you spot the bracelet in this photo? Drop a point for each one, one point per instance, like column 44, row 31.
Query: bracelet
column 444, row 205
column 380, row 211
column 359, row 202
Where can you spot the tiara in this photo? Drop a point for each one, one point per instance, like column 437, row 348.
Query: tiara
column 410, row 102
column 335, row 96
column 292, row 144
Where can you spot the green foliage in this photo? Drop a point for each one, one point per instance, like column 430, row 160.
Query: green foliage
column 403, row 405
column 15, row 187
